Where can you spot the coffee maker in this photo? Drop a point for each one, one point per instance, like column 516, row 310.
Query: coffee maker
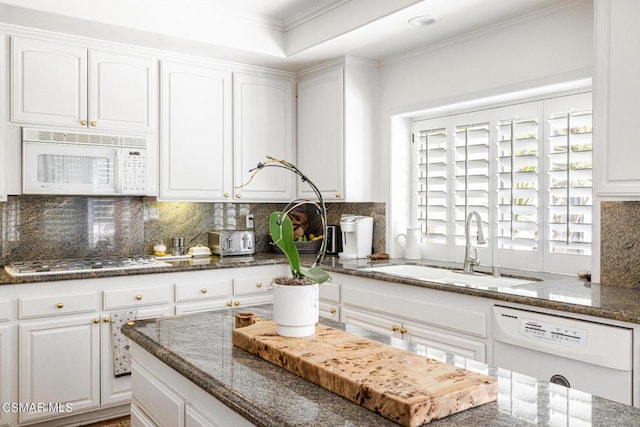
column 357, row 236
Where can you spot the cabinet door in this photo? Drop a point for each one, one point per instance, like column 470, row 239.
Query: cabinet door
column 263, row 125
column 195, row 138
column 48, row 83
column 59, row 362
column 123, row 92
column 116, row 390
column 321, row 132
column 616, row 91
column 4, row 373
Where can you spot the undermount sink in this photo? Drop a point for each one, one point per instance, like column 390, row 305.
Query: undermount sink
column 442, row 275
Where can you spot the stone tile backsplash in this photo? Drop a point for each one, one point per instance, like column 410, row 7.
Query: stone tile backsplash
column 620, row 244
column 49, row 227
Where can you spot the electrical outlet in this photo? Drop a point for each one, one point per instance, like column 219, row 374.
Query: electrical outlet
column 249, row 221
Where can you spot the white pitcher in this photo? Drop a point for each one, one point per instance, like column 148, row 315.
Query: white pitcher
column 410, row 242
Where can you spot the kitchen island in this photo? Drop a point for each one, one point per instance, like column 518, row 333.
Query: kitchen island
column 198, row 348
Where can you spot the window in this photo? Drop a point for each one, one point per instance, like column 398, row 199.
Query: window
column 525, row 168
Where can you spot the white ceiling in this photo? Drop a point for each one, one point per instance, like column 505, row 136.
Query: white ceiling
column 286, row 34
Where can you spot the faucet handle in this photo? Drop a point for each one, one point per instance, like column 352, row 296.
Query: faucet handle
column 474, row 259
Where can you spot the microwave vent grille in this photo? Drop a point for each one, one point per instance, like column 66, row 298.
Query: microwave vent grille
column 40, row 135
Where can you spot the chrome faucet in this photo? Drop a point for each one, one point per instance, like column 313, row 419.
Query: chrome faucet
column 472, row 260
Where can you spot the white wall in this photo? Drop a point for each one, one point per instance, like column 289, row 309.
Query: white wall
column 533, row 51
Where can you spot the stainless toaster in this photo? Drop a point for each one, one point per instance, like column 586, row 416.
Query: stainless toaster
column 232, row 242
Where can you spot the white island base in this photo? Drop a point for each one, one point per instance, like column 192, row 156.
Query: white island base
column 162, row 397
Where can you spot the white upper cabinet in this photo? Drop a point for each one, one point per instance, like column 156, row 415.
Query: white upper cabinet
column 196, row 133
column 72, row 86
column 336, row 105
column 123, row 91
column 616, row 93
column 263, row 126
column 321, row 132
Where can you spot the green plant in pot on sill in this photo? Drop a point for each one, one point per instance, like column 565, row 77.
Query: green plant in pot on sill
column 296, row 298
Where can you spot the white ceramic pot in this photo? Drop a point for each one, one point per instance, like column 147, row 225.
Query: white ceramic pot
column 296, row 309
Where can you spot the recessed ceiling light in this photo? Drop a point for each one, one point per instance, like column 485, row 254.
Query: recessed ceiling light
column 423, row 20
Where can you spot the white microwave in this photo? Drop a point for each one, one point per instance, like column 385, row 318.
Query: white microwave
column 70, row 163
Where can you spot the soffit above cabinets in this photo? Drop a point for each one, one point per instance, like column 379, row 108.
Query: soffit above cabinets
column 285, row 34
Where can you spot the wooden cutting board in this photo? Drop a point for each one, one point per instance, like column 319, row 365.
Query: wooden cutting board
column 404, row 387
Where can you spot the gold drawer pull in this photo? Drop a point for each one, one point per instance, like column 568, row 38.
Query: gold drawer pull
column 403, row 330
column 60, row 305
column 258, row 285
column 139, row 297
column 395, row 328
column 332, row 310
column 226, row 194
column 83, row 122
column 228, row 303
column 338, row 195
column 96, row 320
column 236, row 303
column 106, row 320
column 238, row 195
column 93, row 123
column 204, row 290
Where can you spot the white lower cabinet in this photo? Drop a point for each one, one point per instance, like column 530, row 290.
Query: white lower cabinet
column 59, row 362
column 117, row 390
column 65, row 343
column 455, row 324
column 7, row 346
column 5, row 379
column 163, row 397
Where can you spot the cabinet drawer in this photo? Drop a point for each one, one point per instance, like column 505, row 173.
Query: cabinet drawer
column 330, row 292
column 136, row 297
column 57, row 305
column 203, row 290
column 252, row 285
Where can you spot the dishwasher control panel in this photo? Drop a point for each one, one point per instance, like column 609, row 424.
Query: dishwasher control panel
column 554, row 332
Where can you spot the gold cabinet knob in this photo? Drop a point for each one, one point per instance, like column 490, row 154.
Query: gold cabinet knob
column 83, row 122
column 394, row 328
column 60, row 305
column 94, row 123
column 228, row 303
column 258, row 285
column 204, row 290
column 236, row 303
column 139, row 297
column 403, row 330
column 226, row 194
column 332, row 310
column 106, row 320
column 338, row 195
column 238, row 195
column 96, row 320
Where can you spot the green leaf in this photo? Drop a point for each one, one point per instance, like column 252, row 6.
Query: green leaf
column 282, row 235
column 316, row 274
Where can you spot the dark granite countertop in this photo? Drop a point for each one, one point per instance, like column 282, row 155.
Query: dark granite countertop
column 557, row 292
column 199, row 347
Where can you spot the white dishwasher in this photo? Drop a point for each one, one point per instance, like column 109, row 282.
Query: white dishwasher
column 587, row 356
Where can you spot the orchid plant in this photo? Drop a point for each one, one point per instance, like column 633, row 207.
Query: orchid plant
column 281, row 227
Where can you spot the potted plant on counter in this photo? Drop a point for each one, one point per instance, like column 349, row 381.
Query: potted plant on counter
column 295, row 298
